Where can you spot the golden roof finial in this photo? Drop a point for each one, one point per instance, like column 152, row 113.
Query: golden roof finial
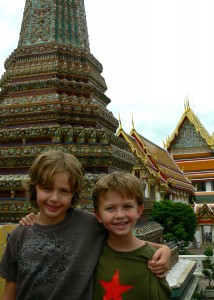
column 132, row 122
column 186, row 102
column 120, row 124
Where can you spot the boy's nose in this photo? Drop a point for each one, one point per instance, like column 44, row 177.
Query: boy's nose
column 54, row 196
column 120, row 213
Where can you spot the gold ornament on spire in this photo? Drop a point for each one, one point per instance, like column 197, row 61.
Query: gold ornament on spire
column 133, row 123
column 120, row 124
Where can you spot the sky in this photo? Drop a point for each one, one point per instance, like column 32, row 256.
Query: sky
column 155, row 54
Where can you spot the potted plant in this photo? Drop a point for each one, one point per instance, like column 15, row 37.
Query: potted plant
column 209, row 273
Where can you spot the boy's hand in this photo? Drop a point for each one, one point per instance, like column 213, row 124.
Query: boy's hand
column 28, row 220
column 160, row 262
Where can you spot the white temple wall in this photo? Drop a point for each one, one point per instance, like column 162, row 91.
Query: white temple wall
column 208, row 186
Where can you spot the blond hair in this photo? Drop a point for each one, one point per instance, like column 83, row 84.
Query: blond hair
column 124, row 183
column 46, row 166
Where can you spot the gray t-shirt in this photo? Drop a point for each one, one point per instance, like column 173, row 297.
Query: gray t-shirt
column 54, row 262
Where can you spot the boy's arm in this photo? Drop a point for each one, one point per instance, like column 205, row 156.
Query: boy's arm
column 160, row 262
column 9, row 291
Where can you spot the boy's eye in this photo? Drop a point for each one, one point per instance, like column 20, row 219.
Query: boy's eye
column 65, row 191
column 45, row 188
column 109, row 208
column 128, row 206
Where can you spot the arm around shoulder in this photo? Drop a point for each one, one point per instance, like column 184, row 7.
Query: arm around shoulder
column 160, row 262
column 9, row 291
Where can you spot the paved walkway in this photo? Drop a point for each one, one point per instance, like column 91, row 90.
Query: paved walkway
column 200, row 250
column 197, row 251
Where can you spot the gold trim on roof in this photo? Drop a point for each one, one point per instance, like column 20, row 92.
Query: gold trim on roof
column 165, row 173
column 204, row 211
column 128, row 140
column 171, row 176
column 190, row 115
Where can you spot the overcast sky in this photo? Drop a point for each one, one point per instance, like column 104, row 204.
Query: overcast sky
column 154, row 53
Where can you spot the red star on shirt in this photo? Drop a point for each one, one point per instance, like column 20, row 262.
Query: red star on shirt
column 113, row 288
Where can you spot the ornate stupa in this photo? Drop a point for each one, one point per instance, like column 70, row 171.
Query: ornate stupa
column 53, row 97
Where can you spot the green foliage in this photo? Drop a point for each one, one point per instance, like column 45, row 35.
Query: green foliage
column 208, row 252
column 209, row 266
column 178, row 220
column 197, row 296
column 183, row 245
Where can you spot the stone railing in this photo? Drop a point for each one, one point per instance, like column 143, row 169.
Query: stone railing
column 199, row 262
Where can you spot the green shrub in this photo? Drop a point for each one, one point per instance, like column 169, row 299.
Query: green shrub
column 209, row 266
column 197, row 296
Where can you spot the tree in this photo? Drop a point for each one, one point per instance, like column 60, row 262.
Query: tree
column 209, row 266
column 178, row 220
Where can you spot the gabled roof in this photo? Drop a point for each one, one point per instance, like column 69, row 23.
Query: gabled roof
column 203, row 211
column 193, row 119
column 138, row 151
column 157, row 161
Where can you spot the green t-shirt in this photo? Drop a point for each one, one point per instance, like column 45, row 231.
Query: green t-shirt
column 125, row 276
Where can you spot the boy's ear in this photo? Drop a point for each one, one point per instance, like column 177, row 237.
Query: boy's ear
column 140, row 210
column 97, row 216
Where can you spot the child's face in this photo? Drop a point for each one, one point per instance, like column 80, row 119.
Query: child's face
column 54, row 201
column 118, row 214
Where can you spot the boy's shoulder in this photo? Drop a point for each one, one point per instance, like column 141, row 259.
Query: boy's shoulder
column 84, row 214
column 147, row 250
column 87, row 220
column 19, row 230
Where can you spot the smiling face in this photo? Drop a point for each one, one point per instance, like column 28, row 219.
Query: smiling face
column 118, row 213
column 54, row 200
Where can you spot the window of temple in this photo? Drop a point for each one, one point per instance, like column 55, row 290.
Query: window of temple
column 137, row 174
column 201, row 186
column 212, row 185
column 152, row 192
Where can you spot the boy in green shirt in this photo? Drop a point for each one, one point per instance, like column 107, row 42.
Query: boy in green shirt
column 122, row 271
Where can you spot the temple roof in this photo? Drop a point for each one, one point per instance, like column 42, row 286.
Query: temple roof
column 193, row 119
column 157, row 161
column 198, row 168
column 204, row 212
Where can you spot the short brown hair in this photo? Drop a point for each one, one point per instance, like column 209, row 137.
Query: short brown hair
column 47, row 165
column 124, row 183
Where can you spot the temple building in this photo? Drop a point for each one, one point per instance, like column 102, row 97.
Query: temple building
column 192, row 148
column 154, row 165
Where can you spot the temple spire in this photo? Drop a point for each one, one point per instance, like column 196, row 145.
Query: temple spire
column 120, row 123
column 133, row 128
column 54, row 21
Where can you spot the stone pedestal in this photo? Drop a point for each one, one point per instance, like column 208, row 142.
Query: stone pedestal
column 182, row 281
